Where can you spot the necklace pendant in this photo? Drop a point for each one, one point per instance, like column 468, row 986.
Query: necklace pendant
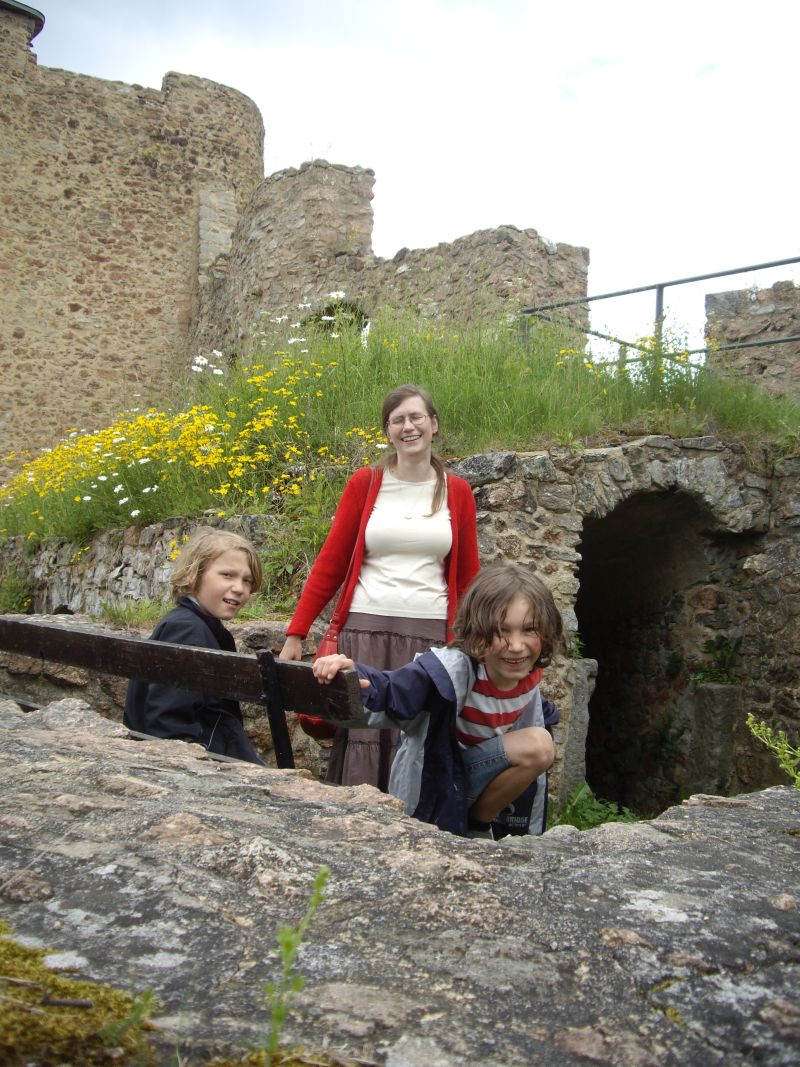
column 409, row 516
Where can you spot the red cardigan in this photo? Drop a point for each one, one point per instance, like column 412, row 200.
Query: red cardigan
column 348, row 531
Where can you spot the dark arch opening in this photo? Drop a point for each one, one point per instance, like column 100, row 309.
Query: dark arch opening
column 337, row 315
column 657, row 593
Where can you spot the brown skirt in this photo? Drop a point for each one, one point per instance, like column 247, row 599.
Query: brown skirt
column 365, row 756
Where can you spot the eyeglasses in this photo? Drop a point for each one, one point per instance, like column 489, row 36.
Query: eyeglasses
column 417, row 418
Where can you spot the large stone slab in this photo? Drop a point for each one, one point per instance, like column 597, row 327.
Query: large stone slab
column 661, row 943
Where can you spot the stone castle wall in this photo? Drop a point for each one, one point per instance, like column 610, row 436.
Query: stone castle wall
column 110, row 194
column 758, row 315
column 307, row 232
column 137, row 231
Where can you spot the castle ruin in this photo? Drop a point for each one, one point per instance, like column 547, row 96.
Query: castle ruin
column 138, row 230
column 102, row 189
column 761, row 316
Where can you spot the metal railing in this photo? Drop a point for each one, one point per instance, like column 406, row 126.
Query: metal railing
column 659, row 287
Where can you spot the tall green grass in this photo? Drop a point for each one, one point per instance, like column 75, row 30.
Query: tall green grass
column 495, row 389
column 278, row 432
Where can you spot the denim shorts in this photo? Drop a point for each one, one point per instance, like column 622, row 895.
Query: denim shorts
column 482, row 763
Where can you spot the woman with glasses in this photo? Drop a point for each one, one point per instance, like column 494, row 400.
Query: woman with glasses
column 409, row 528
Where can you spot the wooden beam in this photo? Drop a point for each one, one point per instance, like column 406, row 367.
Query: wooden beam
column 205, row 670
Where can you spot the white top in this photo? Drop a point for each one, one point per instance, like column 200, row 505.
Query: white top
column 402, row 573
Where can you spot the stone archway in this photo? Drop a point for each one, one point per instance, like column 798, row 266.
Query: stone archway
column 652, row 548
column 657, row 582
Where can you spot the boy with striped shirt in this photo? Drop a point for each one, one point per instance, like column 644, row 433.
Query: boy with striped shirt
column 473, row 737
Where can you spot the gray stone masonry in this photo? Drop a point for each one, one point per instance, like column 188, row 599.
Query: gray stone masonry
column 138, row 231
column 758, row 315
column 111, row 193
column 307, row 232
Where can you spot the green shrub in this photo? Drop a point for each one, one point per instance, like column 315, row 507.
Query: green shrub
column 724, row 652
column 584, row 811
column 16, row 592
column 787, row 755
column 280, row 994
column 662, row 742
column 278, row 431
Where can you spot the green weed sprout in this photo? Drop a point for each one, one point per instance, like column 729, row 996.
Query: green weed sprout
column 280, row 994
column 131, row 1028
column 584, row 811
column 787, row 755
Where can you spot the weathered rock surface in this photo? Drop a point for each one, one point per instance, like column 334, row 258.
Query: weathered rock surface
column 670, row 942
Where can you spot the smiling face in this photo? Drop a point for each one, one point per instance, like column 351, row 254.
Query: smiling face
column 225, row 585
column 410, row 429
column 513, row 652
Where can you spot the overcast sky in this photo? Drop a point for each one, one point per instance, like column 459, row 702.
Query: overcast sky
column 662, row 136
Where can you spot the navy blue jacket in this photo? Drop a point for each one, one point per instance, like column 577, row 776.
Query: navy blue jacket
column 424, row 698
column 163, row 711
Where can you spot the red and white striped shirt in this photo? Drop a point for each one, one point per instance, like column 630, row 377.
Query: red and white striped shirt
column 489, row 711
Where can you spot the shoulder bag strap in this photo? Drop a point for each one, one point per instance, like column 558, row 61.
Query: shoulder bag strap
column 337, row 619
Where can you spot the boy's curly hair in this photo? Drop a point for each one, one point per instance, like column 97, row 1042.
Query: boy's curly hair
column 203, row 546
column 483, row 608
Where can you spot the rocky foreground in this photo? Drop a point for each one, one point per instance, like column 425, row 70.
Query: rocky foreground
column 146, row 865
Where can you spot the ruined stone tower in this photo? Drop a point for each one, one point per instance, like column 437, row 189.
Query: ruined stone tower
column 109, row 194
column 137, row 230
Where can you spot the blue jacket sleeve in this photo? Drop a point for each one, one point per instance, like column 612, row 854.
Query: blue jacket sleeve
column 404, row 693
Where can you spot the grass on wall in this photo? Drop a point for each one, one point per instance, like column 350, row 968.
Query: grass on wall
column 279, row 432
